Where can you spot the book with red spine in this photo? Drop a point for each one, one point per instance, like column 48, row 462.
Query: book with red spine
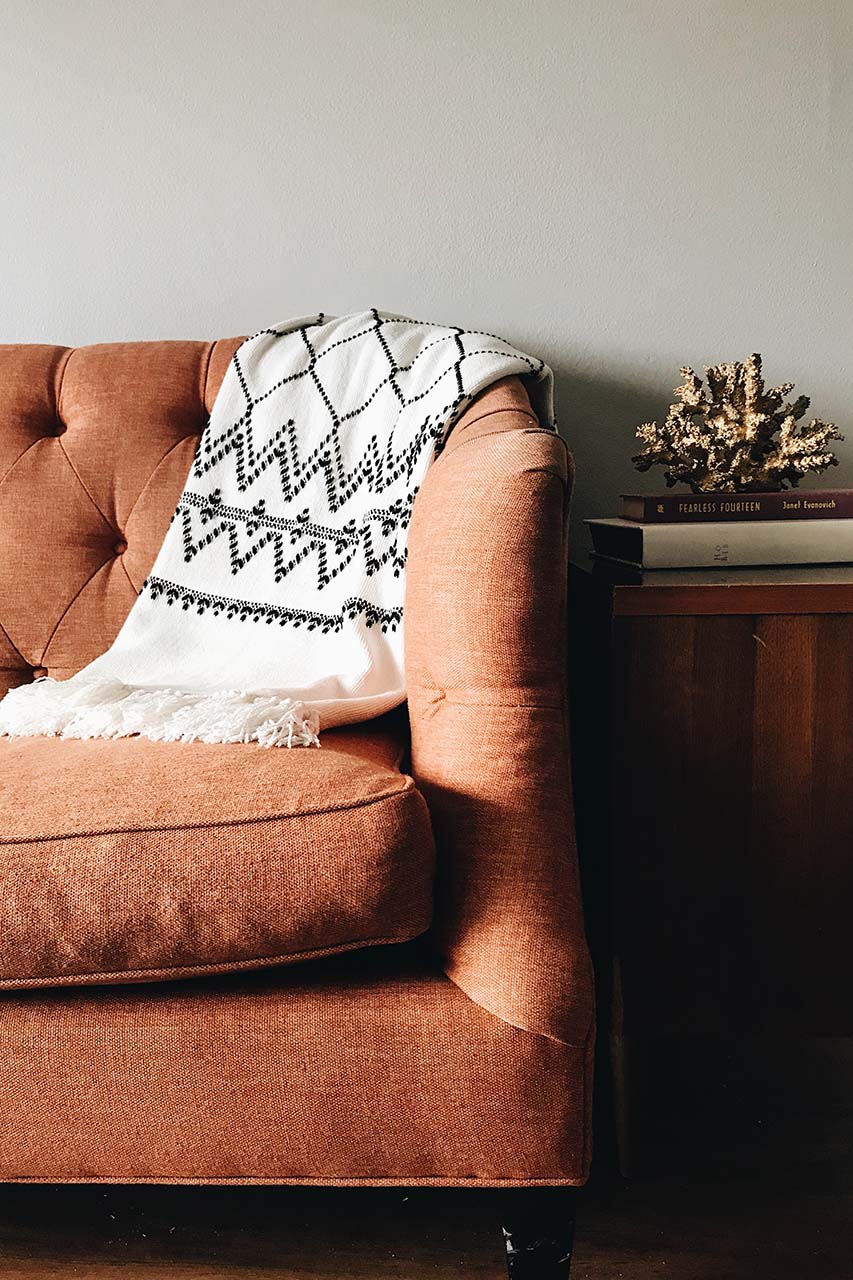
column 692, row 508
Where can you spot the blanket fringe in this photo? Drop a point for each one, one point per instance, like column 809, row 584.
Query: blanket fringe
column 79, row 708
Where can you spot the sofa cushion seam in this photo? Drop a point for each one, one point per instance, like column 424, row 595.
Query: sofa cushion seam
column 214, row 824
column 450, row 1180
column 170, row 972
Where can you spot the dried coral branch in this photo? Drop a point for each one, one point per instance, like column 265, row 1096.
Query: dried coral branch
column 737, row 435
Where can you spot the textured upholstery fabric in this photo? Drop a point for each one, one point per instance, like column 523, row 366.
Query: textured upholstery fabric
column 367, row 1068
column 486, row 679
column 359, row 1068
column 95, row 445
column 132, row 860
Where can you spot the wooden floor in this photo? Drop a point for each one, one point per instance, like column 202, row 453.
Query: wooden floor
column 726, row 1228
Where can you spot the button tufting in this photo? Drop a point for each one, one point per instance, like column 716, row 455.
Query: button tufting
column 120, row 547
column 39, row 672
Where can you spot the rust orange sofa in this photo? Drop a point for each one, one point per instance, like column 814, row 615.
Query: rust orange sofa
column 359, row 965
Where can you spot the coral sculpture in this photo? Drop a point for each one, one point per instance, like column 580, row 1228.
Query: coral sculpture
column 736, row 435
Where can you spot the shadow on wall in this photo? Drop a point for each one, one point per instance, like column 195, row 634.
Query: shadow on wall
column 598, row 417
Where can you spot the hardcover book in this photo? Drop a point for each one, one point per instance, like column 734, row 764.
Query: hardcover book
column 721, row 544
column 690, row 508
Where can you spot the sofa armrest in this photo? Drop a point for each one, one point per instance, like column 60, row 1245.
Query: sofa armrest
column 486, row 677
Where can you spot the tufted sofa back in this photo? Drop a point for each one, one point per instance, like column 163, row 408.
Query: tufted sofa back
column 95, row 446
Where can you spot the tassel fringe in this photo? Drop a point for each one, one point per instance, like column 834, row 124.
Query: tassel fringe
column 78, row 708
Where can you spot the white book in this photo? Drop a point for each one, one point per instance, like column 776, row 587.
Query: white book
column 718, row 545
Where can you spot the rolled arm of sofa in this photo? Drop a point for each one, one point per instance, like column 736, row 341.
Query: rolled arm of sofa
column 486, row 676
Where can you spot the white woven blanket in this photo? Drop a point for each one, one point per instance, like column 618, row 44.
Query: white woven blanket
column 275, row 604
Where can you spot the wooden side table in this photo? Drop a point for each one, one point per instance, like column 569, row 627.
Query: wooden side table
column 713, row 758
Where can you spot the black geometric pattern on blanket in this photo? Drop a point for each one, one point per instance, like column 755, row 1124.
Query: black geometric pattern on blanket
column 252, row 611
column 295, row 539
column 247, row 531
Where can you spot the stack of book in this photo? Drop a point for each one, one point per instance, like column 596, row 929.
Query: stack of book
column 695, row 531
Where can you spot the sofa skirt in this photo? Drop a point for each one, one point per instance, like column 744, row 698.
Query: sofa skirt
column 371, row 1069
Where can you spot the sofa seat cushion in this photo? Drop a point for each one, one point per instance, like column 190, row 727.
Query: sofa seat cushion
column 131, row 860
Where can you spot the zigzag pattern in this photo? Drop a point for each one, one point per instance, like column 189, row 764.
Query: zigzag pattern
column 372, row 468
column 248, row 533
column 376, row 468
column 303, row 445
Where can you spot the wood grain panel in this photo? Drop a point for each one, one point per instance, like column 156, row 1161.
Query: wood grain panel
column 725, row 752
column 730, row 769
column 682, row 791
column 781, row 840
column 824, row 972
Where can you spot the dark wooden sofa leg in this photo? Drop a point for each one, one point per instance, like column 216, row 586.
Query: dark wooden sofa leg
column 539, row 1230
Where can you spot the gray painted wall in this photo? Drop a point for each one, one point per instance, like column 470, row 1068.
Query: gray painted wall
column 619, row 187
